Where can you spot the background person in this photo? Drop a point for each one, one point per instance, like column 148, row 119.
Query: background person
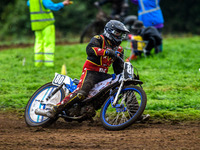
column 42, row 22
column 150, row 13
column 119, row 8
column 149, row 35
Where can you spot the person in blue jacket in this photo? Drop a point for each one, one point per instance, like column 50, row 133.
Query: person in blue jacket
column 150, row 13
column 42, row 23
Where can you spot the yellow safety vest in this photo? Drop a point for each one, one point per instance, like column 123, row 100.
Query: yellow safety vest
column 40, row 16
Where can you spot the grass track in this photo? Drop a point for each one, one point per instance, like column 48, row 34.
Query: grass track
column 171, row 79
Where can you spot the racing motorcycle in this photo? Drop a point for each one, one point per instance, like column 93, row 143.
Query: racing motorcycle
column 121, row 99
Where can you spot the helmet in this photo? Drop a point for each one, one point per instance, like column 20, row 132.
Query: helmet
column 137, row 26
column 115, row 31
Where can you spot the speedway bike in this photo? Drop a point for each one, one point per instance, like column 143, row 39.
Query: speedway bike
column 121, row 99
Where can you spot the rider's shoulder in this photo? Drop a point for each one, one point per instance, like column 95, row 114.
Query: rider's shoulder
column 97, row 37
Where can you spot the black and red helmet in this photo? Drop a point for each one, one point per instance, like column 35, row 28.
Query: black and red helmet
column 115, row 31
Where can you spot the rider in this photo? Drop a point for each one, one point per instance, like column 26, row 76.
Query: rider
column 101, row 53
column 119, row 7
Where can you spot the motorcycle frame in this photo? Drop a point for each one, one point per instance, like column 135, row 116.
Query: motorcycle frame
column 122, row 80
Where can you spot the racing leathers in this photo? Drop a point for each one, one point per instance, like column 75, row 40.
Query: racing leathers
column 94, row 70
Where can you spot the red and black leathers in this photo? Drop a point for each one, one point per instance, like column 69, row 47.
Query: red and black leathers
column 96, row 60
column 95, row 68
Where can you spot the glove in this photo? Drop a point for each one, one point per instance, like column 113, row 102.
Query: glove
column 111, row 53
column 113, row 76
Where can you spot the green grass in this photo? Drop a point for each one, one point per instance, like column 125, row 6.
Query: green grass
column 171, row 79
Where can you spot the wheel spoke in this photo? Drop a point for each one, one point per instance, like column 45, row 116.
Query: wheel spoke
column 126, row 108
column 114, row 121
column 130, row 104
column 123, row 119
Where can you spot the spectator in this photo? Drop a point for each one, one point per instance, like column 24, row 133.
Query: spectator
column 42, row 23
column 150, row 14
column 149, row 35
column 119, row 7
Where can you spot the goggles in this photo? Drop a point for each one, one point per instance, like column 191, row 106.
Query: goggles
column 118, row 34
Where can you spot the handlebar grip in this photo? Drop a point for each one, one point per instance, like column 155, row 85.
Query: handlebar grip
column 116, row 52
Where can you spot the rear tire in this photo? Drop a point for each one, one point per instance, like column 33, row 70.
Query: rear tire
column 126, row 112
column 31, row 118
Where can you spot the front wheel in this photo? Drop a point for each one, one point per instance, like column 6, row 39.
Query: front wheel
column 41, row 94
column 130, row 105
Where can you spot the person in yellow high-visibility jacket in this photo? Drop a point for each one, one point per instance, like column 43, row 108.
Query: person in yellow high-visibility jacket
column 42, row 22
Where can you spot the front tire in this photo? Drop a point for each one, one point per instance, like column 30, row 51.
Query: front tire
column 130, row 106
column 31, row 118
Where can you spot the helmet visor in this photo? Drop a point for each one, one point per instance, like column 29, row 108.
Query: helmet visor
column 118, row 34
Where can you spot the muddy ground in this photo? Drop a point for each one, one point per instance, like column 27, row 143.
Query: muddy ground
column 153, row 135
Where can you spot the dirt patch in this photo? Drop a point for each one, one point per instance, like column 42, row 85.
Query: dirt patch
column 14, row 134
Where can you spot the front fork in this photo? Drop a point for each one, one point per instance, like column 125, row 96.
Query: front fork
column 118, row 92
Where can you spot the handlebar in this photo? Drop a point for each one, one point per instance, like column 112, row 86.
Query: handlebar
column 116, row 52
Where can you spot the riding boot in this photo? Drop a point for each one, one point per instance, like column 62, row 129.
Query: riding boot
column 50, row 112
column 66, row 103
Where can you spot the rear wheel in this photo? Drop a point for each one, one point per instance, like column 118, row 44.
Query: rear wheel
column 130, row 106
column 40, row 95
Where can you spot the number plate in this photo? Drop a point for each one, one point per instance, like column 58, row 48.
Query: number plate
column 60, row 79
column 128, row 71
